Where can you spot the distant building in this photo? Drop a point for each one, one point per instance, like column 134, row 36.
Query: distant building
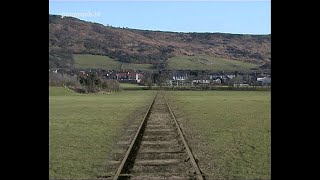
column 230, row 76
column 129, row 77
column 201, row 81
column 217, row 81
column 54, row 70
column 264, row 81
column 179, row 76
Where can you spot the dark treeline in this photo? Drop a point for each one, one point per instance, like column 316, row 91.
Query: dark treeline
column 83, row 84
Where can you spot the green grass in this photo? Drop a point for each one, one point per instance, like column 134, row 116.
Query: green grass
column 104, row 62
column 82, row 128
column 235, row 124
column 145, row 67
column 207, row 63
column 128, row 85
column 60, row 91
column 175, row 63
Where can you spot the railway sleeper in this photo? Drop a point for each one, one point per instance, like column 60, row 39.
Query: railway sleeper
column 159, row 126
column 161, row 177
column 160, row 133
column 159, row 142
column 181, row 168
column 150, row 150
column 157, row 155
column 158, row 162
column 161, row 146
column 158, row 138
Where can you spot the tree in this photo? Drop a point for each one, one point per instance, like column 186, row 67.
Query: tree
column 237, row 80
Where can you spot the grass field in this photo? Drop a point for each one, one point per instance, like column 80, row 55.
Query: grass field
column 230, row 129
column 145, row 67
column 128, row 86
column 82, row 128
column 207, row 63
column 104, row 62
column 174, row 63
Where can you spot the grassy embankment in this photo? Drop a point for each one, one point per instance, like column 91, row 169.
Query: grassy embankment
column 82, row 128
column 230, row 131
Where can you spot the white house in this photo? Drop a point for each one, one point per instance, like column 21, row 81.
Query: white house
column 180, row 76
column 217, row 81
column 264, row 80
column 54, row 70
column 201, row 81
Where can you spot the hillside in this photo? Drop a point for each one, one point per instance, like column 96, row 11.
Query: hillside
column 83, row 61
column 69, row 36
column 208, row 63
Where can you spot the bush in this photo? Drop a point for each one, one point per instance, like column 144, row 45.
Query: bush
column 56, row 79
column 95, row 84
column 90, row 84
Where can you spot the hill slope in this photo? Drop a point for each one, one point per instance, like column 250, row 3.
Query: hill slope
column 70, row 35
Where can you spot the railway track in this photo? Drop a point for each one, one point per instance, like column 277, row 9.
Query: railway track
column 158, row 149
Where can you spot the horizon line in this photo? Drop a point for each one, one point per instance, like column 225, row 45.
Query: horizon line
column 109, row 25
